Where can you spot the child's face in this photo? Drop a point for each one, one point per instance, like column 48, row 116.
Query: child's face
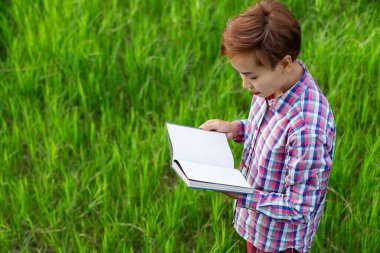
column 259, row 80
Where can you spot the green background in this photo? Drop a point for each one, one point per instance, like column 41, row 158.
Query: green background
column 87, row 86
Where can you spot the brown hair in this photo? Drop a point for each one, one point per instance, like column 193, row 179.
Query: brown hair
column 268, row 28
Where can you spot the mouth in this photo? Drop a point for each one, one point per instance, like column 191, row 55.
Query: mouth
column 254, row 93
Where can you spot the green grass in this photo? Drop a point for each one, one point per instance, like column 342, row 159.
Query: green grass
column 86, row 87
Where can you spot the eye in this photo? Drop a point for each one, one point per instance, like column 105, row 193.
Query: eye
column 253, row 78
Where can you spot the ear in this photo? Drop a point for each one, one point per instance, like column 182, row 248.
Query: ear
column 286, row 64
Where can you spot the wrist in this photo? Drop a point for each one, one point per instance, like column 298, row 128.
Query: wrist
column 235, row 128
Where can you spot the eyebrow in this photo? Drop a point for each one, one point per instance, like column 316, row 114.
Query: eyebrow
column 247, row 73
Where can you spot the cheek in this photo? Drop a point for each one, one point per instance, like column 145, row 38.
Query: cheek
column 267, row 82
column 262, row 83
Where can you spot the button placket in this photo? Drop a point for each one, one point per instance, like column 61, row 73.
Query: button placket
column 256, row 132
column 251, row 149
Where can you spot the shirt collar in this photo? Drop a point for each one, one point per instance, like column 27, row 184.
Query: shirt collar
column 283, row 102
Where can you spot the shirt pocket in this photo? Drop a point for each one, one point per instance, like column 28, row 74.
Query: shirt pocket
column 272, row 152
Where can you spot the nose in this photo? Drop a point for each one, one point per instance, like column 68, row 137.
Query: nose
column 246, row 84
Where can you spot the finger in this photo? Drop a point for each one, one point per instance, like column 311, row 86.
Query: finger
column 203, row 126
column 211, row 126
column 206, row 125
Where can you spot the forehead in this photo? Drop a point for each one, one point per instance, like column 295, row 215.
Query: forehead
column 245, row 62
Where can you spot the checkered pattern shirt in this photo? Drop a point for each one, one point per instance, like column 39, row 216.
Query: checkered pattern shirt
column 288, row 150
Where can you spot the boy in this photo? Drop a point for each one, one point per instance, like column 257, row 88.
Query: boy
column 288, row 137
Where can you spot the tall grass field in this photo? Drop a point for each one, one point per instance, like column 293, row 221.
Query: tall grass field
column 87, row 86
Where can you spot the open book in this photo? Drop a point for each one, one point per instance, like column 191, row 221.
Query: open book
column 203, row 159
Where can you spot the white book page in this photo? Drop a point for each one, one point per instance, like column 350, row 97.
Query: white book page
column 213, row 174
column 197, row 145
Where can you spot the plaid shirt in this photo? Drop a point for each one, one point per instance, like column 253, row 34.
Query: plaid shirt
column 288, row 150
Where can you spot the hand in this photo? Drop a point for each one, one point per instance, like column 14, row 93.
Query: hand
column 230, row 128
column 232, row 195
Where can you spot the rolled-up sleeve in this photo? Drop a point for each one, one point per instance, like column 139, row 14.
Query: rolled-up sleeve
column 308, row 160
column 241, row 134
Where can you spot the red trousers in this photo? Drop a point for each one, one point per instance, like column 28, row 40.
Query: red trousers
column 253, row 249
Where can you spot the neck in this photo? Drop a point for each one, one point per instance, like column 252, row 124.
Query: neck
column 294, row 75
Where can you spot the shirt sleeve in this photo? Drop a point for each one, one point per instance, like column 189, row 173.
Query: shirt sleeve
column 241, row 135
column 308, row 159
